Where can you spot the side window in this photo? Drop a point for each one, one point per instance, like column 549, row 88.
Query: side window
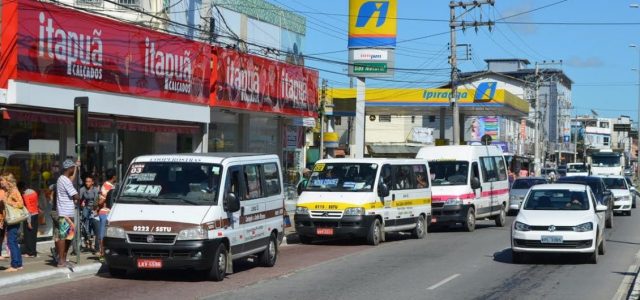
column 422, row 179
column 386, row 176
column 502, row 171
column 272, row 179
column 403, row 177
column 234, row 183
column 593, row 200
column 254, row 184
column 489, row 172
column 475, row 170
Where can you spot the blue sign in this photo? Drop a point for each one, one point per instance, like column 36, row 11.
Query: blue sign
column 485, row 91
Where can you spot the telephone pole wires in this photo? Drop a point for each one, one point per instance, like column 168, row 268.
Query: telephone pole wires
column 454, row 24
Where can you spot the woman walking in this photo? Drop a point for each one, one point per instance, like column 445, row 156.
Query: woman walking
column 12, row 198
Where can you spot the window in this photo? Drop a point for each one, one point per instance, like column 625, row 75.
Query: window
column 89, row 2
column 604, row 124
column 432, row 119
column 340, row 177
column 605, row 141
column 129, row 2
column 422, row 180
column 272, row 179
column 489, row 172
column 337, row 120
column 403, row 178
column 384, row 118
column 502, row 171
column 448, row 172
column 557, row 200
column 413, row 119
column 254, row 184
column 475, row 170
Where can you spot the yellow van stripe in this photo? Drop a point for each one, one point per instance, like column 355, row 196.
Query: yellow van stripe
column 371, row 205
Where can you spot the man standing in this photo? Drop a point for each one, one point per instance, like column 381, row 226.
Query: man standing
column 88, row 196
column 104, row 207
column 67, row 199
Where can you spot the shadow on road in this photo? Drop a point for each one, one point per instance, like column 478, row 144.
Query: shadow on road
column 458, row 228
column 622, row 242
column 293, row 239
column 505, row 256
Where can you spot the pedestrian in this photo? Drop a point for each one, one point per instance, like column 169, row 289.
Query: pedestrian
column 12, row 198
column 306, row 174
column 30, row 226
column 66, row 202
column 88, row 196
column 104, row 207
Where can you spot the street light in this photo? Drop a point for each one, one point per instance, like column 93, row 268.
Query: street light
column 638, row 70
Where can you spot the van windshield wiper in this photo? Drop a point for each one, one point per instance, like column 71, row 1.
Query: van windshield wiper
column 152, row 200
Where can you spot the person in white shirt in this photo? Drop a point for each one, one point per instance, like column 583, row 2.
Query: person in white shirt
column 68, row 197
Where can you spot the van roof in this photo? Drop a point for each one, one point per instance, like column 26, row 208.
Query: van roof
column 378, row 160
column 213, row 157
column 462, row 152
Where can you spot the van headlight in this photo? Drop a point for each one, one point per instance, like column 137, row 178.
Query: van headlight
column 301, row 210
column 115, row 232
column 583, row 227
column 453, row 201
column 519, row 226
column 191, row 234
column 624, row 198
column 354, row 211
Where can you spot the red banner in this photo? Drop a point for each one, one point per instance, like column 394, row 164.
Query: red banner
column 61, row 46
column 249, row 82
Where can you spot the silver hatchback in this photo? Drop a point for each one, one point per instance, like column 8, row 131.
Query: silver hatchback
column 519, row 190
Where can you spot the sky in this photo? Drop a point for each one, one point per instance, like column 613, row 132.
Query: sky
column 596, row 57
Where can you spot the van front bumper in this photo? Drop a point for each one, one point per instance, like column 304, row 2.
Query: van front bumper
column 183, row 255
column 448, row 214
column 347, row 226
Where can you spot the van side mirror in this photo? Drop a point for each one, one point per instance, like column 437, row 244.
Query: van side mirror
column 607, row 192
column 383, row 190
column 231, row 203
column 601, row 208
column 475, row 183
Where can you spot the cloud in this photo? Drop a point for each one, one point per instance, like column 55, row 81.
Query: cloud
column 587, row 62
column 523, row 6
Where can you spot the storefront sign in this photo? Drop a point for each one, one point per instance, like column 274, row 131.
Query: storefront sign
column 370, row 54
column 50, row 44
column 372, row 23
column 250, row 82
column 370, row 68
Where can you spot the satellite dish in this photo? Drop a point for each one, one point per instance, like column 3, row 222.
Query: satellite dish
column 486, row 139
column 594, row 112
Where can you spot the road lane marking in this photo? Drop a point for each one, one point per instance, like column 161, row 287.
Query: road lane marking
column 628, row 288
column 443, row 281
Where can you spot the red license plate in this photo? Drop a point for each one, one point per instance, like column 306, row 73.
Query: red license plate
column 149, row 263
column 433, row 220
column 324, row 231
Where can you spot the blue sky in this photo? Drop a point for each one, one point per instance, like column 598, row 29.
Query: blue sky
column 597, row 58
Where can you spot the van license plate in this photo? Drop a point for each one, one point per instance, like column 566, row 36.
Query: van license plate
column 551, row 239
column 149, row 264
column 324, row 231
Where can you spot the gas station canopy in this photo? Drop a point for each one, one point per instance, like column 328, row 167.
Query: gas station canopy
column 485, row 100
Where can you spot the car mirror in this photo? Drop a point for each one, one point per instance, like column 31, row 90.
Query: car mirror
column 607, row 193
column 383, row 190
column 231, row 203
column 601, row 208
column 475, row 183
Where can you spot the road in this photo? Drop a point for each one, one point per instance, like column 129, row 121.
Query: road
column 446, row 265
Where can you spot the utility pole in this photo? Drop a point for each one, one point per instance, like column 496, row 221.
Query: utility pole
column 454, row 25
column 323, row 99
column 539, row 78
column 536, row 140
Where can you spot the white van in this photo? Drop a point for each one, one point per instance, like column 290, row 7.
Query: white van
column 468, row 183
column 577, row 169
column 196, row 211
column 364, row 198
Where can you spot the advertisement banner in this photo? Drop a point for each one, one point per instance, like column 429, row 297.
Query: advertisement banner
column 249, row 82
column 372, row 23
column 484, row 125
column 61, row 46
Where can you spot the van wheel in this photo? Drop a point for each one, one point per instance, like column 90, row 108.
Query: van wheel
column 219, row 268
column 501, row 219
column 270, row 255
column 117, row 273
column 593, row 257
column 470, row 222
column 305, row 239
column 375, row 233
column 420, row 230
column 608, row 222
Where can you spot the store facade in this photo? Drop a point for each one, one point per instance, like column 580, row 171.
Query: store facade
column 263, row 106
column 148, row 91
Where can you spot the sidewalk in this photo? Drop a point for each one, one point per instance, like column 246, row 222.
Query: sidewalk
column 42, row 267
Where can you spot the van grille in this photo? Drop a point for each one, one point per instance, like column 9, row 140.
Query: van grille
column 167, row 239
column 325, row 214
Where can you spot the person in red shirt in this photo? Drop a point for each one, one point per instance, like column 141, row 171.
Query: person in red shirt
column 30, row 198
column 104, row 207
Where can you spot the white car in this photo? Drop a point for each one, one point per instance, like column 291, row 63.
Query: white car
column 622, row 198
column 559, row 218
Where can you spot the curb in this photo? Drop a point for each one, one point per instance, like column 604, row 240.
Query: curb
column 78, row 271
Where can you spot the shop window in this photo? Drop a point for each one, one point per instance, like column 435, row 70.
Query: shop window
column 432, row 119
column 384, row 118
column 337, row 120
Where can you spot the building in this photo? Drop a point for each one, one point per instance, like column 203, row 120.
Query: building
column 598, row 133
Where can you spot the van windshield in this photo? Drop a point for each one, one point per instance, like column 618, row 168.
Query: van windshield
column 577, row 168
column 171, row 183
column 340, row 177
column 449, row 172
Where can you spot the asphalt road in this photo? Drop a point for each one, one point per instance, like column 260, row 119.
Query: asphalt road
column 445, row 265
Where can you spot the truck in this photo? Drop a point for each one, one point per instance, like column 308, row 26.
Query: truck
column 606, row 162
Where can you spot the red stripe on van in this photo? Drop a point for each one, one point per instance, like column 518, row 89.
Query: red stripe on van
column 443, row 198
column 495, row 192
